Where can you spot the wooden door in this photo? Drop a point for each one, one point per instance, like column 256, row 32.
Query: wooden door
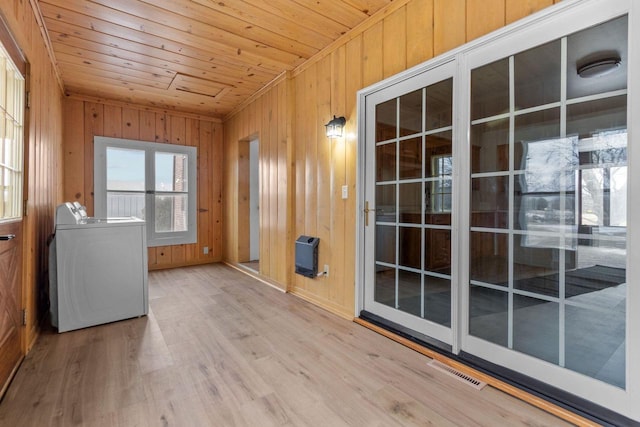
column 10, row 301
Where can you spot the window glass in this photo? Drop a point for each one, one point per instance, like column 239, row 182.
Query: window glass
column 12, row 94
column 151, row 181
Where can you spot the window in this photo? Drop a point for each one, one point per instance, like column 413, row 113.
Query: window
column 152, row 181
column 12, row 89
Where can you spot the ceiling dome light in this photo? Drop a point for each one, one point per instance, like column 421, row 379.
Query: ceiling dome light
column 599, row 67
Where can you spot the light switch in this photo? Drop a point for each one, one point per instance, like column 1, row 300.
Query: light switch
column 345, row 191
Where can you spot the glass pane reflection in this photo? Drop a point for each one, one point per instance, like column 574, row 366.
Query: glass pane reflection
column 439, row 105
column 437, row 300
column 386, row 203
column 489, row 261
column 535, row 328
column 385, row 289
column 409, row 292
column 386, row 244
column 411, row 113
column 386, row 162
column 410, row 247
column 488, row 314
column 490, row 146
column 386, row 120
column 490, row 90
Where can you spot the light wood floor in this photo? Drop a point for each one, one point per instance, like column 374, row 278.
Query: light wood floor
column 220, row 349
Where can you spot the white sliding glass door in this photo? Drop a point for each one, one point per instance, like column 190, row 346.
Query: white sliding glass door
column 409, row 199
column 497, row 201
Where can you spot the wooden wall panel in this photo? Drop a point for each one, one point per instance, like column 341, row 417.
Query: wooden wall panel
column 488, row 15
column 449, row 25
column 265, row 119
column 327, row 85
column 44, row 156
column 130, row 121
column 394, row 43
column 517, row 9
column 372, row 54
column 419, row 32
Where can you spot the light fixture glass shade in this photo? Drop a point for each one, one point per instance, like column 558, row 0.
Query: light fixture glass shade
column 335, row 127
column 598, row 68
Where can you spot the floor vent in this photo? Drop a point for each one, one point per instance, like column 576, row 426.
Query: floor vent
column 473, row 382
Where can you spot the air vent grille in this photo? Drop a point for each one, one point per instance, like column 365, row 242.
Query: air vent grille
column 461, row 376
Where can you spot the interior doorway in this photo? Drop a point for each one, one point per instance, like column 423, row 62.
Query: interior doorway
column 254, row 205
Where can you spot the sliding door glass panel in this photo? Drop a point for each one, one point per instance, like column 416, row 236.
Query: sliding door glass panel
column 414, row 200
column 439, row 105
column 409, row 249
column 536, row 327
column 386, row 119
column 409, row 292
column 386, row 162
column 490, row 90
column 490, row 146
column 411, row 113
column 386, row 199
column 437, row 300
column 548, row 204
column 411, row 158
column 490, row 201
column 385, row 288
column 410, row 202
column 607, row 40
column 488, row 314
column 537, row 76
column 489, row 261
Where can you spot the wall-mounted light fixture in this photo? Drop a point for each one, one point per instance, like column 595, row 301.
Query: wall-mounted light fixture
column 335, row 127
column 599, row 67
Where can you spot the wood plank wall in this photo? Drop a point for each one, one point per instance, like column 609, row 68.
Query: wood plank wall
column 390, row 42
column 86, row 118
column 43, row 152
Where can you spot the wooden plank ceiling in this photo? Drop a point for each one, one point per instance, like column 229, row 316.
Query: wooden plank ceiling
column 198, row 56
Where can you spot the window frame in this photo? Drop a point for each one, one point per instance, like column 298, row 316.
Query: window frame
column 154, row 238
column 14, row 167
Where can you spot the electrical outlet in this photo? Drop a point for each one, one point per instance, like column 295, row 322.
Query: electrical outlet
column 326, row 270
column 345, row 191
column 205, row 250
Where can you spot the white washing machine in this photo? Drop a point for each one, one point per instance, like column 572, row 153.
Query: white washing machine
column 97, row 269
